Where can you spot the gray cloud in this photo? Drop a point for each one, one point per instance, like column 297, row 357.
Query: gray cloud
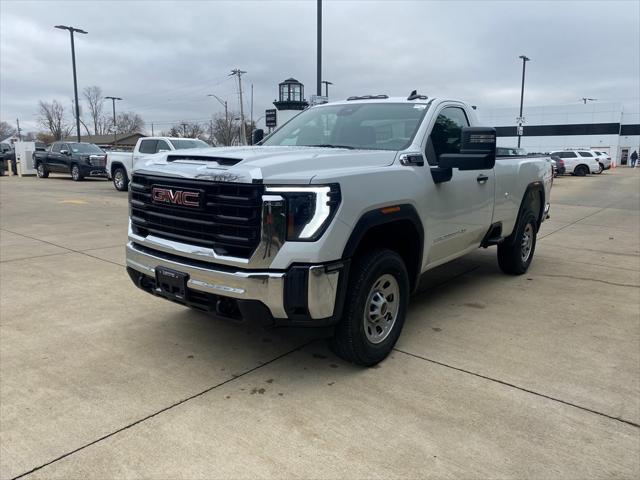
column 164, row 57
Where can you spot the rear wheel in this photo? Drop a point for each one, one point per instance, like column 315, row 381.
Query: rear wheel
column 75, row 173
column 42, row 171
column 120, row 179
column 581, row 171
column 375, row 308
column 516, row 252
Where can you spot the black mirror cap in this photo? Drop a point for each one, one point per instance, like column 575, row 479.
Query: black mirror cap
column 256, row 136
column 477, row 150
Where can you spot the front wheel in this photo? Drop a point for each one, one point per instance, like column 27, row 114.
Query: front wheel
column 581, row 171
column 75, row 173
column 120, row 180
column 516, row 252
column 42, row 171
column 601, row 168
column 375, row 308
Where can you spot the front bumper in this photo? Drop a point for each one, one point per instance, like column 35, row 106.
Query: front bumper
column 302, row 295
column 93, row 171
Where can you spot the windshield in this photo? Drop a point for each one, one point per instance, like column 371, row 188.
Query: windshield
column 188, row 143
column 85, row 148
column 372, row 126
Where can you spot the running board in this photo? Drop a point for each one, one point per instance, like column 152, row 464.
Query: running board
column 493, row 236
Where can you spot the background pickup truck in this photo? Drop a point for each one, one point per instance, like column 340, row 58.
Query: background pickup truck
column 120, row 164
column 334, row 217
column 7, row 155
column 77, row 158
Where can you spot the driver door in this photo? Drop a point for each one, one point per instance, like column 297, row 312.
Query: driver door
column 461, row 209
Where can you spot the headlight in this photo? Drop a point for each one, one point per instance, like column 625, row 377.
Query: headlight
column 309, row 209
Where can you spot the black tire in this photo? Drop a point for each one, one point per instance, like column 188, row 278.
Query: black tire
column 42, row 171
column 511, row 253
column 368, row 272
column 1, row 168
column 601, row 168
column 120, row 179
column 581, row 171
column 76, row 175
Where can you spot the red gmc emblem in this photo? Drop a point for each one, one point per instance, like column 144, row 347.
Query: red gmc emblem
column 175, row 197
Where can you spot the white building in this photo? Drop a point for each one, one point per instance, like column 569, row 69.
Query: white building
column 604, row 126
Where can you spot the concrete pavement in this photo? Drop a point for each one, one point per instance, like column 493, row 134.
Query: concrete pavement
column 535, row 376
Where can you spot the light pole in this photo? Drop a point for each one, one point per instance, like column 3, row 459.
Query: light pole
column 319, row 48
column 525, row 59
column 115, row 125
column 72, row 30
column 326, row 88
column 223, row 103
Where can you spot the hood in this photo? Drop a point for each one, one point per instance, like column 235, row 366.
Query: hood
column 270, row 164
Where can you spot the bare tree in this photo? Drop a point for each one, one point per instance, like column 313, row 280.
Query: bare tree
column 226, row 129
column 129, row 122
column 6, row 130
column 52, row 118
column 94, row 98
column 187, row 130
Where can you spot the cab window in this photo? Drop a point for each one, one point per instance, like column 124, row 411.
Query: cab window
column 446, row 134
column 148, row 146
column 162, row 145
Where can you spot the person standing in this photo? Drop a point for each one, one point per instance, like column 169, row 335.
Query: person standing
column 634, row 159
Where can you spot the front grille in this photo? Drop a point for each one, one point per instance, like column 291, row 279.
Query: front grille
column 98, row 161
column 228, row 221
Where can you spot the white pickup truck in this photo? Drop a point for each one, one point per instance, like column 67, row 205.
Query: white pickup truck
column 120, row 164
column 332, row 219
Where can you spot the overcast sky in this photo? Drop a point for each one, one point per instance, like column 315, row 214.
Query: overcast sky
column 164, row 57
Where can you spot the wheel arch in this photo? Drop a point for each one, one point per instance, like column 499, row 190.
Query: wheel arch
column 534, row 193
column 406, row 238
column 117, row 164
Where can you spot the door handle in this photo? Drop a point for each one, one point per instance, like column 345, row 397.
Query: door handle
column 482, row 179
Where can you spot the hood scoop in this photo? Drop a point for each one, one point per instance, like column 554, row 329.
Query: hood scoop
column 199, row 158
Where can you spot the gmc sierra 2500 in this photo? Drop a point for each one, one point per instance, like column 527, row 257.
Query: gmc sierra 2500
column 332, row 219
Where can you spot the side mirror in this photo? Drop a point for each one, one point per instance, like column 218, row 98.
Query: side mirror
column 477, row 150
column 256, row 136
column 64, row 152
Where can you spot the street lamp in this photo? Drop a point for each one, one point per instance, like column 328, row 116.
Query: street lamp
column 326, row 88
column 223, row 103
column 525, row 59
column 72, row 30
column 115, row 125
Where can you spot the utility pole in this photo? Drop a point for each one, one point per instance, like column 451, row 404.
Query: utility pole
column 525, row 59
column 152, row 134
column 237, row 72
column 586, row 99
column 319, row 50
column 251, row 117
column 18, row 128
column 73, row 30
column 326, row 88
column 115, row 125
column 184, row 129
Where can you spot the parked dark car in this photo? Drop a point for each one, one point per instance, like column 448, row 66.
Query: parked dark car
column 7, row 154
column 558, row 168
column 78, row 159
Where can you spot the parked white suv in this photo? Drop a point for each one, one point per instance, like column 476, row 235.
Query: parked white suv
column 579, row 162
column 604, row 159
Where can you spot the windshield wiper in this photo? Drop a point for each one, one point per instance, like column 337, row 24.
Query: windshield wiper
column 329, row 145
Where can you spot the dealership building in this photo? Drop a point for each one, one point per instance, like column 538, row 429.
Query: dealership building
column 605, row 126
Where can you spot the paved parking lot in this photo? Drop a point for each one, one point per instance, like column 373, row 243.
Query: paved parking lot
column 535, row 376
